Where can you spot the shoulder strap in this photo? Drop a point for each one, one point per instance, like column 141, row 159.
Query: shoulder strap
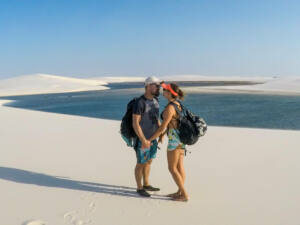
column 177, row 109
column 143, row 98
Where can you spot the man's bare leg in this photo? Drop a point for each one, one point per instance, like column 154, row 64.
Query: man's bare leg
column 146, row 172
column 139, row 175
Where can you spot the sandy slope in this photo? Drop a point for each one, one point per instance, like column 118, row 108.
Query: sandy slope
column 267, row 85
column 119, row 79
column 60, row 169
column 284, row 85
column 184, row 78
column 45, row 83
column 188, row 77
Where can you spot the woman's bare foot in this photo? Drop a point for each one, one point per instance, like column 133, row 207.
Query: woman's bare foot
column 174, row 195
column 181, row 198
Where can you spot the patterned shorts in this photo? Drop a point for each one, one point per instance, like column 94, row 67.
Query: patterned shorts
column 174, row 140
column 144, row 155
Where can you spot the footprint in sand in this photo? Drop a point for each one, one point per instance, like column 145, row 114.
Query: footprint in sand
column 72, row 219
column 70, row 216
column 92, row 207
column 34, row 222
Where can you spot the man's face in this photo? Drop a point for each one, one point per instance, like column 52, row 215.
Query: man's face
column 154, row 89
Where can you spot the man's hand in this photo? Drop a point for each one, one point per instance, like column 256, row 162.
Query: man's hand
column 146, row 144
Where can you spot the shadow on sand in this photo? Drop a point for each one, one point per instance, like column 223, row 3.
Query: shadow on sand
column 28, row 177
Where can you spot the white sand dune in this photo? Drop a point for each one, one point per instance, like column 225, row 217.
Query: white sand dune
column 188, row 77
column 60, row 169
column 264, row 85
column 119, row 79
column 45, row 83
column 184, row 78
column 261, row 85
column 284, row 85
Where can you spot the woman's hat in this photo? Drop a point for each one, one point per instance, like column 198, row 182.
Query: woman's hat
column 169, row 88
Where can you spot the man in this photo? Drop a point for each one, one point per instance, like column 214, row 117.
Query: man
column 146, row 121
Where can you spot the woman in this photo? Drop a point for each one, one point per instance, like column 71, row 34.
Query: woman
column 176, row 149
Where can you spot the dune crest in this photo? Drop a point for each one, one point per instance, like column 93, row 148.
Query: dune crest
column 46, row 83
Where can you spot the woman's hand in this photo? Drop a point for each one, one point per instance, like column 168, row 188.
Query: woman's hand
column 160, row 139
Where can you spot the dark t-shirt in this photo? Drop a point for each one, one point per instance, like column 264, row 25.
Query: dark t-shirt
column 149, row 111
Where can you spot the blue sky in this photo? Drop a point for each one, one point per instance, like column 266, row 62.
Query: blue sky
column 139, row 38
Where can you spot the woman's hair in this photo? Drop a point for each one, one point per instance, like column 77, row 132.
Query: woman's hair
column 180, row 93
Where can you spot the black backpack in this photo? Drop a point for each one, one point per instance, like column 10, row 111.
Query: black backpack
column 126, row 129
column 190, row 127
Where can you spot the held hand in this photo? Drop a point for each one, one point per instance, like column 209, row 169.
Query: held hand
column 146, row 144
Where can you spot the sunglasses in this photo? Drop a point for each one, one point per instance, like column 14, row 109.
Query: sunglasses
column 157, row 85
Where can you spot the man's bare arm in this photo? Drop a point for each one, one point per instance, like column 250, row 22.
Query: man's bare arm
column 138, row 130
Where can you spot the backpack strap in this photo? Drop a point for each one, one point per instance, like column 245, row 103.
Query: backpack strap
column 177, row 109
column 143, row 98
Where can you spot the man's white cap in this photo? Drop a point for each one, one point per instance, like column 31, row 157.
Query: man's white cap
column 152, row 80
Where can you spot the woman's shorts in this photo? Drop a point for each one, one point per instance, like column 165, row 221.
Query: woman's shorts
column 144, row 155
column 174, row 140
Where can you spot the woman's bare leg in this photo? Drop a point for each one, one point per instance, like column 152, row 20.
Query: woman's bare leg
column 181, row 170
column 173, row 159
column 180, row 166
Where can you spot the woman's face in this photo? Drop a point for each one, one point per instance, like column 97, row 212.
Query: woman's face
column 167, row 94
